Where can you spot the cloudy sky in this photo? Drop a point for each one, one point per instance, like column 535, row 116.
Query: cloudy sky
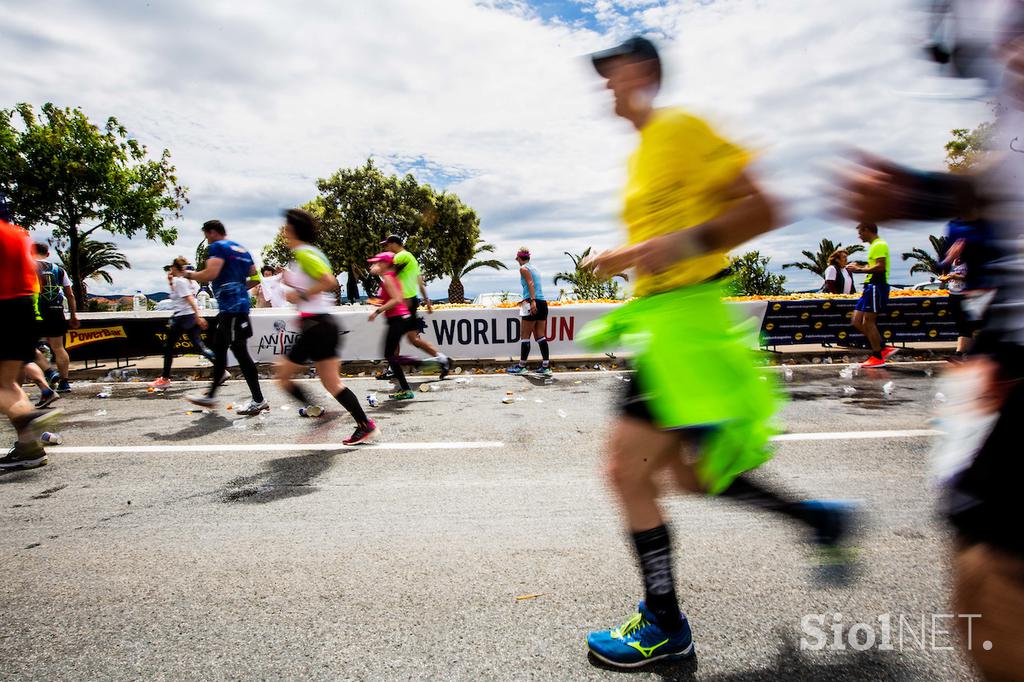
column 490, row 99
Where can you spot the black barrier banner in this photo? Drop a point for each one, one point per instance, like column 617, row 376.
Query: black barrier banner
column 828, row 321
column 125, row 338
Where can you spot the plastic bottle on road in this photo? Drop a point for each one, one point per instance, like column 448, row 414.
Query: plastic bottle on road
column 51, row 438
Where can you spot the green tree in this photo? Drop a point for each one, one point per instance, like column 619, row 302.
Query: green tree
column 202, row 253
column 359, row 207
column 61, row 170
column 585, row 284
column 927, row 263
column 456, row 292
column 817, row 262
column 969, row 147
column 94, row 257
column 750, row 276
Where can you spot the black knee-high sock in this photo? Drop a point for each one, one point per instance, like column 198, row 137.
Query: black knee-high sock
column 654, row 551
column 524, row 352
column 295, row 391
column 543, row 343
column 350, row 402
column 745, row 489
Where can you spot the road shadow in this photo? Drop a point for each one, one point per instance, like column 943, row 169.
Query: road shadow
column 206, row 424
column 791, row 665
column 282, row 478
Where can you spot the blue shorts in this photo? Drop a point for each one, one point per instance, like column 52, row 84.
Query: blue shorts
column 874, row 299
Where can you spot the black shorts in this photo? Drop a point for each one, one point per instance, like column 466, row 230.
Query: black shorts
column 540, row 315
column 634, row 403
column 232, row 327
column 319, row 339
column 416, row 323
column 53, row 324
column 19, row 341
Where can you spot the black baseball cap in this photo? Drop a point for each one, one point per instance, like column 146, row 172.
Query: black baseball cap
column 392, row 239
column 638, row 48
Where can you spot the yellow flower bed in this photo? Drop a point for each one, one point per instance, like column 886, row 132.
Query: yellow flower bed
column 893, row 293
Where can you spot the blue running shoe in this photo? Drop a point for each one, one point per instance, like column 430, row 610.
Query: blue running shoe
column 640, row 641
column 836, row 525
column 516, row 369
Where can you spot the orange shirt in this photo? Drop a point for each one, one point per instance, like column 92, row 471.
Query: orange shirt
column 18, row 278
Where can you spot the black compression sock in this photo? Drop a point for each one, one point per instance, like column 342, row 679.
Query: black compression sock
column 524, row 352
column 744, row 489
column 295, row 391
column 350, row 402
column 654, row 551
column 543, row 343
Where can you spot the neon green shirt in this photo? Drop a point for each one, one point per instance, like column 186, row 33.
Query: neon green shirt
column 878, row 249
column 408, row 271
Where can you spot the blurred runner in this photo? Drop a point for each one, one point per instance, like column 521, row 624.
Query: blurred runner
column 186, row 318
column 696, row 406
column 229, row 266
column 396, row 313
column 979, row 462
column 956, row 283
column 407, row 268
column 308, row 281
column 19, row 286
column 54, row 289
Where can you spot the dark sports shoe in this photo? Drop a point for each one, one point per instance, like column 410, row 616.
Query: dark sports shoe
column 254, row 408
column 544, row 371
column 446, row 367
column 202, row 401
column 516, row 369
column 35, row 422
column 402, row 395
column 46, row 398
column 385, row 375
column 52, row 377
column 640, row 641
column 363, row 433
column 63, row 386
column 836, row 525
column 24, row 456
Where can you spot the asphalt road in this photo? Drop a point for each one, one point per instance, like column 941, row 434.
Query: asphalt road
column 172, row 545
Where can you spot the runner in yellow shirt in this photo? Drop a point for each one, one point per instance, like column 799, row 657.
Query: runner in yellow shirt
column 689, row 199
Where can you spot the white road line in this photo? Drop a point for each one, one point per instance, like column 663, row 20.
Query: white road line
column 456, row 445
column 858, row 435
column 274, row 447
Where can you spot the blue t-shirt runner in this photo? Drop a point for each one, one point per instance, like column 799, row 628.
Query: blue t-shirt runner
column 229, row 287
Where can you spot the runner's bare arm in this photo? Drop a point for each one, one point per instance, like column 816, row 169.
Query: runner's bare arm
column 878, row 267
column 528, row 276
column 423, row 295
column 207, row 274
column 69, row 296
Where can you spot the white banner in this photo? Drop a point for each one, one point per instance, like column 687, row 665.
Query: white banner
column 460, row 333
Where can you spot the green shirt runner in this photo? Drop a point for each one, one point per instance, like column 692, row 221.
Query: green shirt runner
column 878, row 249
column 408, row 273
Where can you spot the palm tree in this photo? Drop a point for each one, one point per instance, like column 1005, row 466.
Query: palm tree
column 818, row 262
column 457, row 292
column 585, row 284
column 202, row 253
column 926, row 263
column 94, row 257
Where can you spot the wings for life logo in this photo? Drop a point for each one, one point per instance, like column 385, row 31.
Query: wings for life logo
column 280, row 341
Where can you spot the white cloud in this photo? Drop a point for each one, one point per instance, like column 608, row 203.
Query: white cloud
column 256, row 101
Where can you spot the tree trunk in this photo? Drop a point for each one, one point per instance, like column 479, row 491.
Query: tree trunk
column 456, row 292
column 351, row 288
column 77, row 286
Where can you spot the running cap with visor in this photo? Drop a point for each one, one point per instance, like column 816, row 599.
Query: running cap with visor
column 392, row 239
column 637, row 48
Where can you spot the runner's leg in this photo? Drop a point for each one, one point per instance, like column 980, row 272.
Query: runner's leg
column 392, row 341
column 330, row 377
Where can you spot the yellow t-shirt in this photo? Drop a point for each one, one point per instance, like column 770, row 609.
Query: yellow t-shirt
column 674, row 180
